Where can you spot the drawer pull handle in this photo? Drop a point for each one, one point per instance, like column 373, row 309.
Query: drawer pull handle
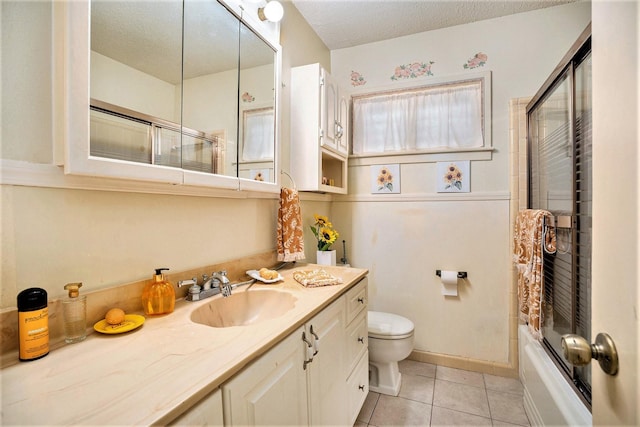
column 361, row 340
column 316, row 341
column 361, row 300
column 361, row 387
column 309, row 351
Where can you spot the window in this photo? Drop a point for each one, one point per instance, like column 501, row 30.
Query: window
column 258, row 135
column 444, row 116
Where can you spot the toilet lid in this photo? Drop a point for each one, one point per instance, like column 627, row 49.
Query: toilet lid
column 388, row 325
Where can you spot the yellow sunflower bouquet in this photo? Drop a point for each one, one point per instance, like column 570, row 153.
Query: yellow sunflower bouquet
column 324, row 232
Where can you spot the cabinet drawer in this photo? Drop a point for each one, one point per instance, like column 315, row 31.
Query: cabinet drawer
column 357, row 300
column 357, row 340
column 358, row 387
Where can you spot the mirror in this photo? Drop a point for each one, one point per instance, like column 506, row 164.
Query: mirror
column 257, row 108
column 135, row 78
column 174, row 96
column 210, row 87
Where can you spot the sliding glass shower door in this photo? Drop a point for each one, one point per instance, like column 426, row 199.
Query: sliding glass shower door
column 559, row 122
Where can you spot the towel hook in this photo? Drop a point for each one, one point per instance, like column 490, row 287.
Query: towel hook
column 290, row 177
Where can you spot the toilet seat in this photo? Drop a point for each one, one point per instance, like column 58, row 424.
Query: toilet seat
column 388, row 326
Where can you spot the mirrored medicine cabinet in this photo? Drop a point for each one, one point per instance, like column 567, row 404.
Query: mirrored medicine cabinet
column 181, row 92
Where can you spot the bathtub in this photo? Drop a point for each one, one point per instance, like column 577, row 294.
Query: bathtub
column 549, row 399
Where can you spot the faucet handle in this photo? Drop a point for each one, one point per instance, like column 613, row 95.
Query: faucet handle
column 192, row 281
column 226, row 290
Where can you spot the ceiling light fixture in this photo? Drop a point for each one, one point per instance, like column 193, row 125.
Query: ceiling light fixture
column 272, row 12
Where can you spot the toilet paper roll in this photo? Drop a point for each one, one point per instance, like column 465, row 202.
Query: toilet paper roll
column 449, row 283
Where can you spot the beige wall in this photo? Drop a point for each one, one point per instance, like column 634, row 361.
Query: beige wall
column 54, row 236
column 403, row 239
column 50, row 237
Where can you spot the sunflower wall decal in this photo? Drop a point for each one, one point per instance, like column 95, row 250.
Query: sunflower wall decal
column 385, row 179
column 453, row 177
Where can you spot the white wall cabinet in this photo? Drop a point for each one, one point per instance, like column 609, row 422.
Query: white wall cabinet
column 108, row 151
column 318, row 375
column 319, row 130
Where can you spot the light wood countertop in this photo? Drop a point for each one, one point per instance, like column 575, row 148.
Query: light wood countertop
column 156, row 372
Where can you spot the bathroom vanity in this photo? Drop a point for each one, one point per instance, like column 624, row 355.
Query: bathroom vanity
column 306, row 366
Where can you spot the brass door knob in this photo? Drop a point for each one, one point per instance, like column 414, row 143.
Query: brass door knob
column 579, row 352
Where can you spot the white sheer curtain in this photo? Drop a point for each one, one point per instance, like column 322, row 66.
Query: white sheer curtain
column 258, row 135
column 436, row 117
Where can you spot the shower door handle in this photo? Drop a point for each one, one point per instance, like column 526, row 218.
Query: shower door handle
column 579, row 352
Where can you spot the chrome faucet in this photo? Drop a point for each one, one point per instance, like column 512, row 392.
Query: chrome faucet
column 212, row 285
column 208, row 289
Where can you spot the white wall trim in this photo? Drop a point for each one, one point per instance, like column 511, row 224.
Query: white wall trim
column 427, row 197
column 483, row 153
column 15, row 172
column 51, row 176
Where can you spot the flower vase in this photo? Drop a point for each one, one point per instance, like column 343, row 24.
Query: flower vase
column 326, row 257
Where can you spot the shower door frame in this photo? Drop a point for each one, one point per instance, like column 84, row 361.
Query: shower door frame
column 565, row 69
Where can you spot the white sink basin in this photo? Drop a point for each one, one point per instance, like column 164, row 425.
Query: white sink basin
column 244, row 308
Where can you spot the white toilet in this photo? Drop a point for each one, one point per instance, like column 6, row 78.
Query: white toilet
column 390, row 340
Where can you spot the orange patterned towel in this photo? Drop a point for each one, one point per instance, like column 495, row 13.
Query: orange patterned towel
column 289, row 230
column 528, row 241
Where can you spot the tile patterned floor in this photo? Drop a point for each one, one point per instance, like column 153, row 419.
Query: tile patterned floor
column 439, row 396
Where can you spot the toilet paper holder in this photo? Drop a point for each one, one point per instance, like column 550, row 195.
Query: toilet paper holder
column 461, row 274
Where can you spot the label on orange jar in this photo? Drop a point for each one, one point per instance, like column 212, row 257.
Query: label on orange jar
column 34, row 333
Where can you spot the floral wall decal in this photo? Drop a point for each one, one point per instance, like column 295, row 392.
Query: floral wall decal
column 385, row 179
column 453, row 177
column 413, row 70
column 357, row 79
column 247, row 97
column 478, row 60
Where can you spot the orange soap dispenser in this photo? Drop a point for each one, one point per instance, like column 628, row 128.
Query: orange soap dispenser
column 158, row 296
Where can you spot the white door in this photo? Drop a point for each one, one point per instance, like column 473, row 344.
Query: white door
column 616, row 201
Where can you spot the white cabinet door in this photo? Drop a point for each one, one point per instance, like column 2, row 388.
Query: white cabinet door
column 327, row 372
column 342, row 126
column 329, row 111
column 335, row 116
column 272, row 390
column 207, row 412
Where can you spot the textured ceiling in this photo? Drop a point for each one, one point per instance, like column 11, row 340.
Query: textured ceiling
column 346, row 23
column 147, row 35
